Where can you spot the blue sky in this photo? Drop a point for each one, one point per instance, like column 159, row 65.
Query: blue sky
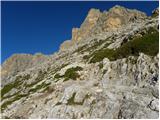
column 31, row 27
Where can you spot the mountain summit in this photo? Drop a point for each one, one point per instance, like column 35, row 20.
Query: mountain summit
column 109, row 69
column 97, row 22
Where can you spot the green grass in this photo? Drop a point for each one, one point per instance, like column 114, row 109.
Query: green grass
column 101, row 54
column 69, row 74
column 72, row 102
column 38, row 87
column 9, row 102
column 8, row 96
column 57, row 76
column 100, row 65
column 147, row 44
column 17, row 84
column 18, row 81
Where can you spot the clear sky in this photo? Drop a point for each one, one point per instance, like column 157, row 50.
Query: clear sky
column 31, row 27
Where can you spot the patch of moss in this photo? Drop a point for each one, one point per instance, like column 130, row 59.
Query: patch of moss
column 11, row 85
column 9, row 96
column 71, row 73
column 101, row 54
column 148, row 44
column 38, row 87
column 9, row 102
column 57, row 76
column 72, row 102
column 100, row 65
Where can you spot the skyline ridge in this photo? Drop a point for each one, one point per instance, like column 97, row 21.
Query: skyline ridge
column 52, row 50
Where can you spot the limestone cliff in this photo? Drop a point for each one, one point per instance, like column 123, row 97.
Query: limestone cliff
column 97, row 22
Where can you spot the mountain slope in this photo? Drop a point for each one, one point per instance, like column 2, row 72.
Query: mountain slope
column 109, row 69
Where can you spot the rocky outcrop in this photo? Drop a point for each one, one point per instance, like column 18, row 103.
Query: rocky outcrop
column 155, row 12
column 111, row 72
column 19, row 63
column 66, row 44
column 87, row 25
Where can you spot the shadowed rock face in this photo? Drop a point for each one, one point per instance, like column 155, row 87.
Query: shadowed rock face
column 110, row 69
column 106, row 21
column 19, row 63
column 16, row 63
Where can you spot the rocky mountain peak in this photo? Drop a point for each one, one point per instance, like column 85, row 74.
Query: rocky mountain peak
column 92, row 17
column 97, row 22
column 93, row 13
column 117, row 8
column 155, row 12
column 118, row 16
column 89, row 22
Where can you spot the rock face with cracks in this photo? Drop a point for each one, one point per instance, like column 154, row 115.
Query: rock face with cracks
column 110, row 70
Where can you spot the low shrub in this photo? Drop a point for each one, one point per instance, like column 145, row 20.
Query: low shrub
column 70, row 74
column 9, row 102
column 11, row 85
column 147, row 44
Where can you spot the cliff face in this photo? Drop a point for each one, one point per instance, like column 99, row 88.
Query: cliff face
column 82, row 32
column 98, row 22
column 109, row 69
